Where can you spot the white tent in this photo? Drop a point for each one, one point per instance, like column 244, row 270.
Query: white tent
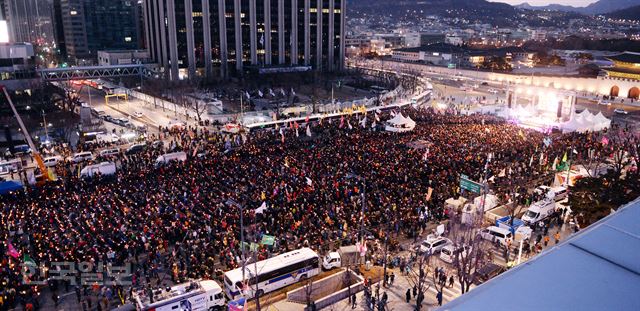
column 602, row 121
column 586, row 116
column 492, row 201
column 585, row 121
column 400, row 124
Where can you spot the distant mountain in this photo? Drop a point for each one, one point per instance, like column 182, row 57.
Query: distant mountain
column 632, row 13
column 600, row 7
column 553, row 7
column 495, row 13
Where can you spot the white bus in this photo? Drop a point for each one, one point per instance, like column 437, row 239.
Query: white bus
column 421, row 98
column 273, row 273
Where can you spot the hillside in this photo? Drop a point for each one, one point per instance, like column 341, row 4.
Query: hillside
column 553, row 7
column 632, row 13
column 600, row 7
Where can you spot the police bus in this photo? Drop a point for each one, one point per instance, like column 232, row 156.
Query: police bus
column 272, row 274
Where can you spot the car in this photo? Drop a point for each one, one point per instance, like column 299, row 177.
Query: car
column 620, row 111
column 81, row 157
column 138, row 114
column 433, row 244
column 135, row 149
column 21, row 150
column 123, row 122
column 109, row 152
column 108, row 118
column 157, row 144
column 176, row 124
column 450, row 251
column 487, row 272
column 604, row 103
column 52, row 161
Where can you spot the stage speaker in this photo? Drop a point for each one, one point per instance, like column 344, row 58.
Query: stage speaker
column 559, row 115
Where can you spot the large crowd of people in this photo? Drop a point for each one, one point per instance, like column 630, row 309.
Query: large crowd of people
column 174, row 222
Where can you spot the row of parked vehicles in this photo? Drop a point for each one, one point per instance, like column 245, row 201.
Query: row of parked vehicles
column 504, row 232
column 108, row 167
column 258, row 278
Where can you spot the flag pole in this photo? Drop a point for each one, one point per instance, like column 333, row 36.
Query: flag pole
column 569, row 168
column 241, row 110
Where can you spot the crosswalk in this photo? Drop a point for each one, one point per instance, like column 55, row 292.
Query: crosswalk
column 448, row 293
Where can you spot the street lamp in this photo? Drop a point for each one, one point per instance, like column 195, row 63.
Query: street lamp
column 44, row 123
column 232, row 202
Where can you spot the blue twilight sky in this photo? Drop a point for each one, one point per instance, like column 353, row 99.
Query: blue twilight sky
column 576, row 3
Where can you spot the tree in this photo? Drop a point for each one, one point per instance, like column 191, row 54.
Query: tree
column 618, row 138
column 308, row 292
column 497, row 63
column 418, row 277
column 590, row 70
column 475, row 249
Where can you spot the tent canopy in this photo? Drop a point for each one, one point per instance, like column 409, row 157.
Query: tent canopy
column 585, row 121
column 8, row 186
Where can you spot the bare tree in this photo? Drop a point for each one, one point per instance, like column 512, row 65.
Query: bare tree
column 473, row 250
column 596, row 160
column 619, row 154
column 418, row 277
column 308, row 292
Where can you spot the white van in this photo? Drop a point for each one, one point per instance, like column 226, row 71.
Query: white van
column 104, row 168
column 449, row 252
column 52, row 161
column 81, row 157
column 494, row 233
column 110, row 152
column 175, row 156
column 556, row 193
column 539, row 211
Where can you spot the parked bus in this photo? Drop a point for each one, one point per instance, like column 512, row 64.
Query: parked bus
column 421, row 98
column 272, row 274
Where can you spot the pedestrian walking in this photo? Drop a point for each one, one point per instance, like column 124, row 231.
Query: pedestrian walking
column 439, row 298
column 56, row 299
column 557, row 237
column 393, row 277
column 408, row 295
column 451, row 281
column 353, row 301
column 546, row 240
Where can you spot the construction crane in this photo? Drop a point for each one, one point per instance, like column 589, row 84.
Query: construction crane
column 34, row 151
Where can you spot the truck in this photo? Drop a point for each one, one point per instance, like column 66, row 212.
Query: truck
column 345, row 256
column 539, row 211
column 168, row 157
column 104, row 168
column 193, row 295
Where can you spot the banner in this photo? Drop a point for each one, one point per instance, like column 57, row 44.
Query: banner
column 268, row 239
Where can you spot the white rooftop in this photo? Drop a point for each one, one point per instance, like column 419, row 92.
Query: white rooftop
column 596, row 269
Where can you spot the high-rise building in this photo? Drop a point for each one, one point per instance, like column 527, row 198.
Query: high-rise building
column 28, row 20
column 218, row 38
column 86, row 26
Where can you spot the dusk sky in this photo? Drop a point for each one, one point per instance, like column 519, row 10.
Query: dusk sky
column 576, row 3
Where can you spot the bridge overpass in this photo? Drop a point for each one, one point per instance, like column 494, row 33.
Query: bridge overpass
column 95, row 72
